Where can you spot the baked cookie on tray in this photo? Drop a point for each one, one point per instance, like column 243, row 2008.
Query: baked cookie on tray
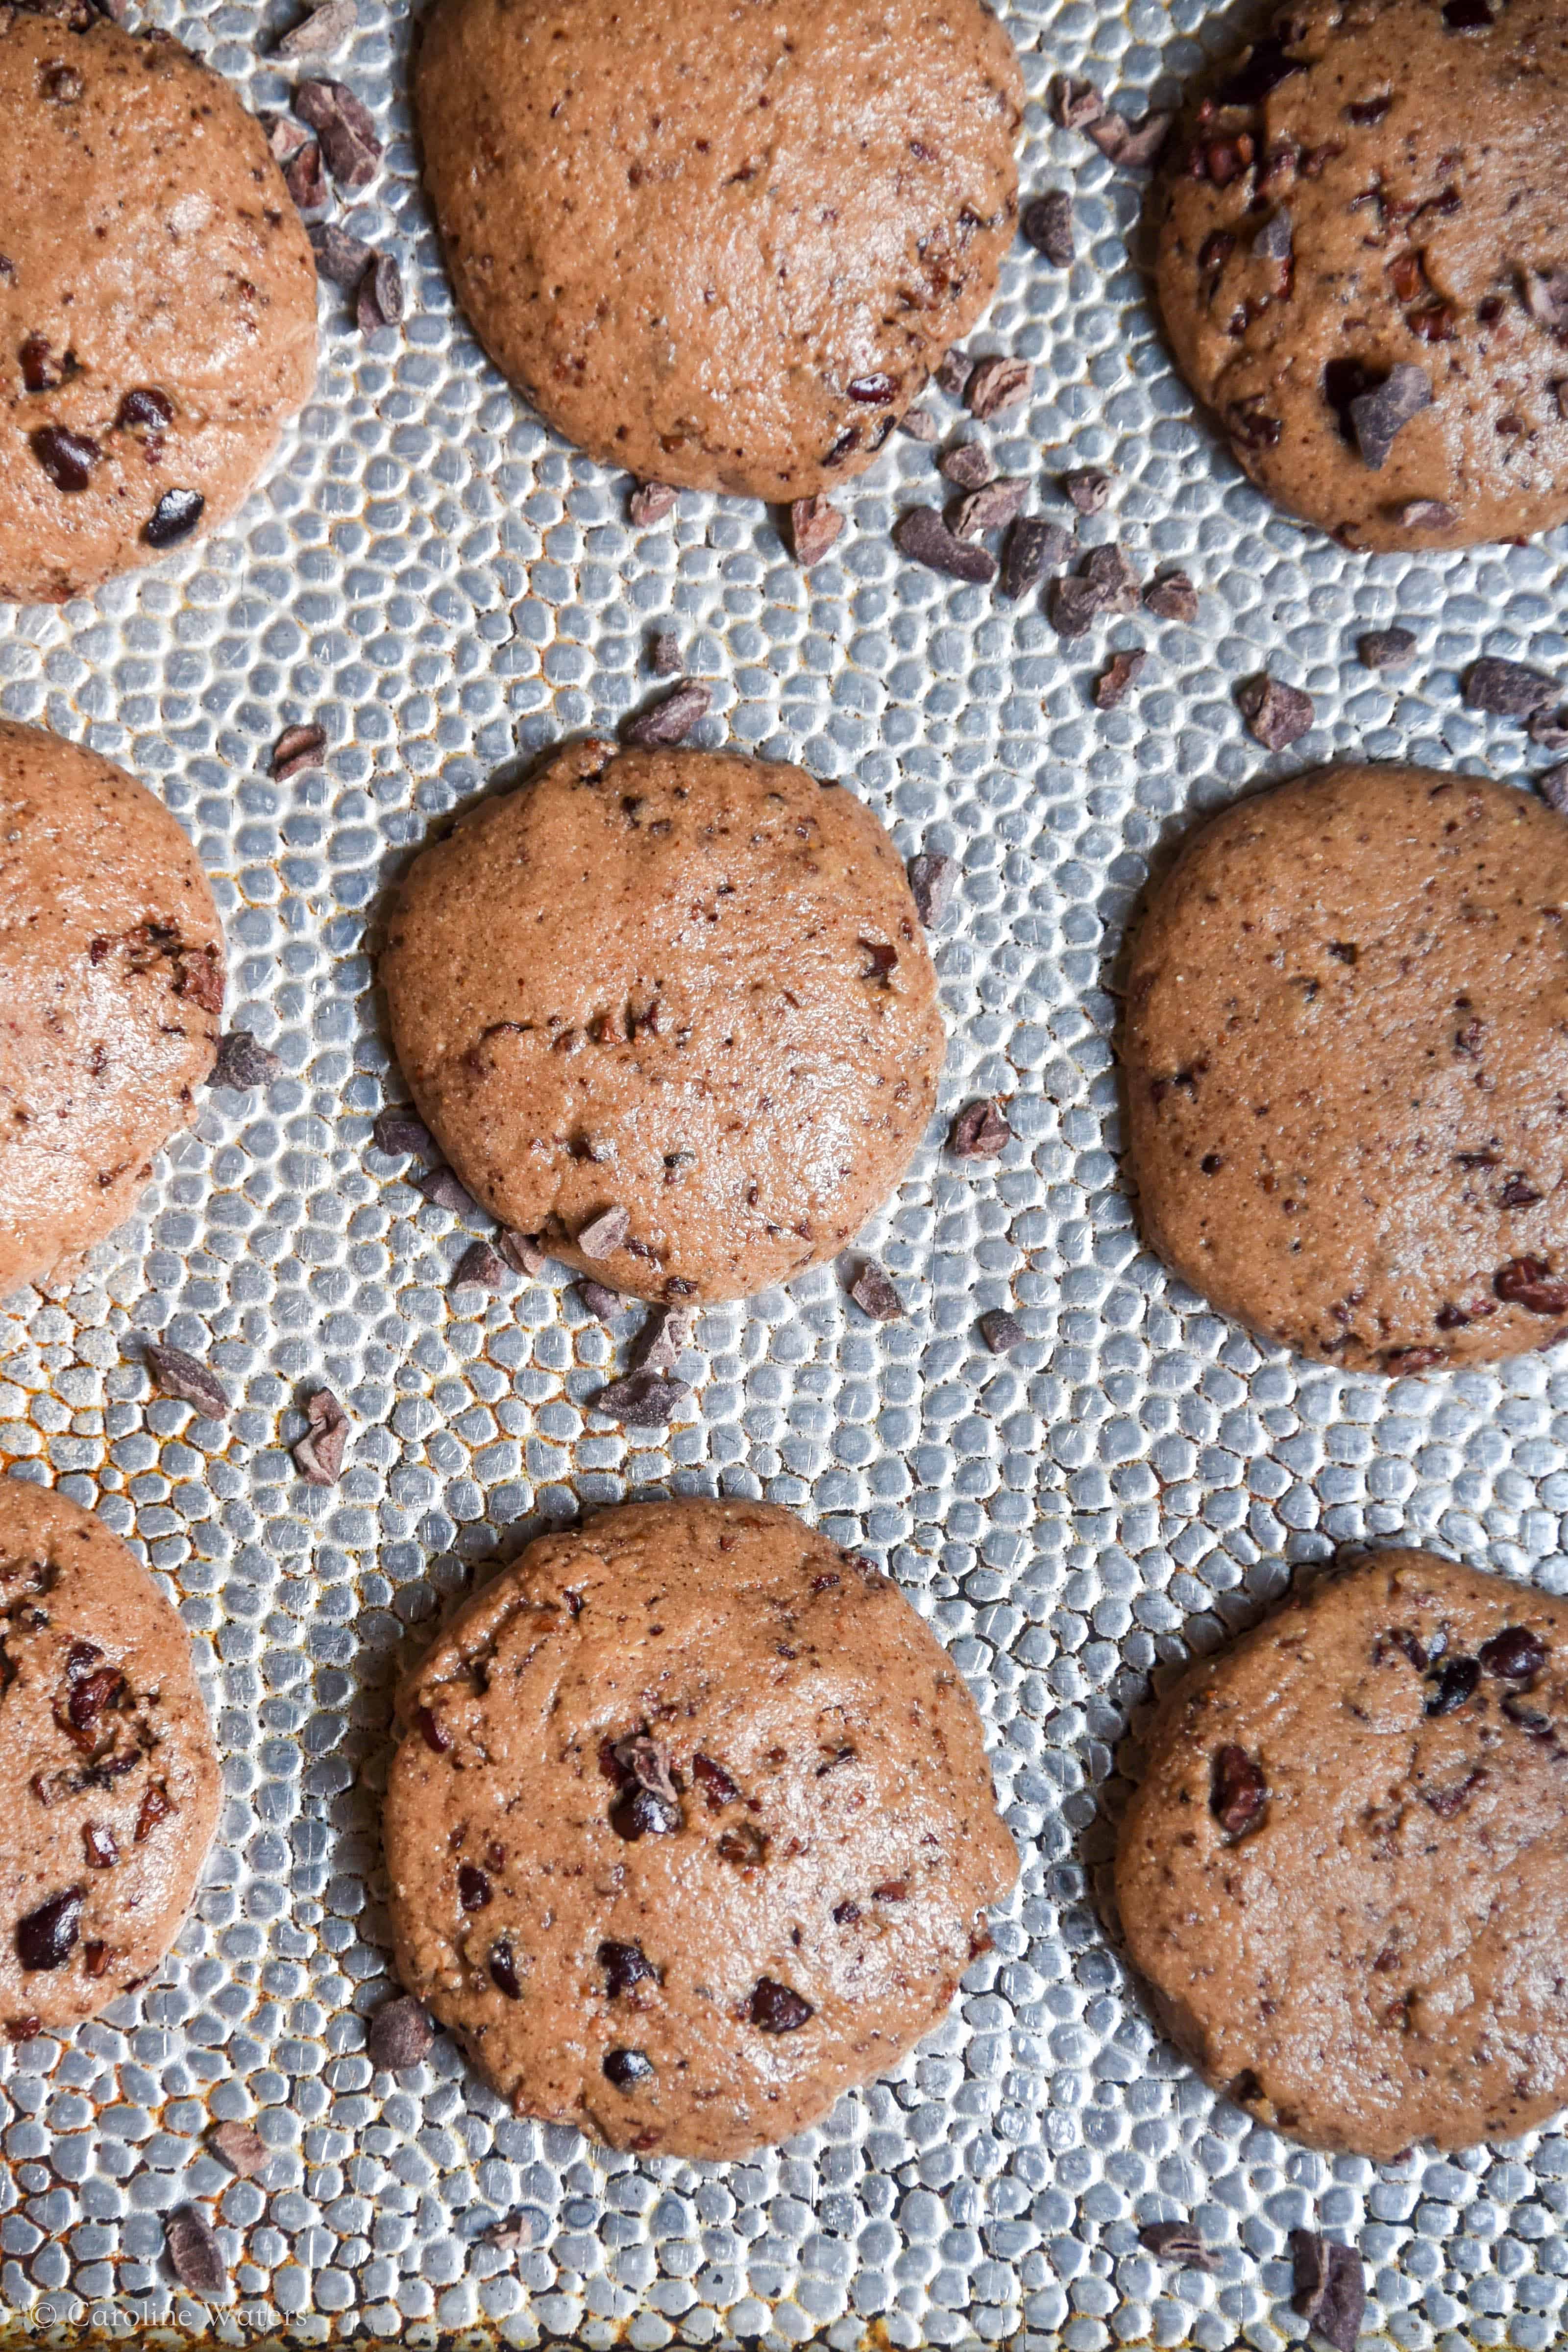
column 111, row 1780
column 723, row 247
column 1344, row 1873
column 157, row 299
column 690, row 1827
column 672, row 1011
column 1345, row 1047
column 1363, row 266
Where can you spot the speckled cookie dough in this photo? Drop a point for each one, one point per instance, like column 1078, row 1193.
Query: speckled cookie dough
column 106, row 1759
column 1346, row 1057
column 111, row 983
column 726, row 245
column 1363, row 266
column 691, row 1828
column 676, row 1002
column 157, row 301
column 1345, row 1871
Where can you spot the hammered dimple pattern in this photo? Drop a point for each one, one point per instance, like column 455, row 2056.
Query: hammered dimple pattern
column 446, row 588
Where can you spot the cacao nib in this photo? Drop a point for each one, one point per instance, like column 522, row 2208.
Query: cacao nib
column 1509, row 690
column 664, row 653
column 1426, row 514
column 344, row 128
column 47, row 1938
column 920, row 425
column 776, row 2009
column 180, row 1375
column 305, row 177
column 1514, row 1655
column 326, row 28
column 1178, row 2242
column 671, row 720
column 1277, row 715
column 1046, row 224
column 481, row 1265
column 1001, row 1330
column 194, row 2253
column 969, row 464
column 242, row 1063
column 397, row 1131
column 1133, row 146
column 603, row 1235
column 980, row 1131
column 1075, row 104
column 318, row 1454
column 1088, row 487
column 1237, row 1790
column 400, row 2035
column 1030, row 547
column 625, row 1965
column 745, row 1845
column 627, row 2068
column 991, row 507
column 1455, row 1685
column 379, row 299
column 643, row 1399
column 1392, row 648
column 934, row 877
column 921, row 533
column 1171, row 596
column 1329, row 2282
column 814, row 525
column 1115, row 682
column 874, row 1294
column 996, row 384
column 242, row 2149
column 650, row 502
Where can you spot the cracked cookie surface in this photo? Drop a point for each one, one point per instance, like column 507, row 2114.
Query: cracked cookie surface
column 111, row 983
column 1345, row 1048
column 684, row 991
column 1344, row 1871
column 723, row 247
column 690, row 1827
column 1363, row 266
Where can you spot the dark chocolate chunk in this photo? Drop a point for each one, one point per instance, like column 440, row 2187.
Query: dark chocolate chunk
column 777, row 2008
column 144, row 409
column 156, row 1806
column 474, row 1890
column 877, row 390
column 194, row 2253
column 47, row 1938
column 1530, row 1283
column 1178, row 2242
column 1002, row 1330
column 991, row 507
column 980, row 1131
column 443, row 1189
column 969, row 464
column 1379, row 416
column 1274, row 240
column 716, row 1783
column 483, row 1264
column 640, row 1812
column 625, row 1965
column 433, row 1731
column 318, row 1454
column 1115, row 681
column 1329, row 2284
column 650, row 502
column 814, row 527
column 242, row 1063
column 66, row 457
column 1237, row 1790
column 1390, row 648
column 1276, row 714
column 397, row 1130
column 99, row 1848
column 379, row 300
column 1047, row 224
column 996, row 384
column 1455, row 1684
column 242, row 2149
column 300, row 746
column 1171, row 596
column 176, row 1374
column 921, row 533
column 671, row 719
column 503, row 1969
column 1088, row 487
column 1075, row 104
column 874, row 1294
column 326, row 28
column 1514, row 1655
column 1030, row 547
column 400, row 2035
column 934, row 877
column 627, row 2068
column 344, row 128
column 1509, row 690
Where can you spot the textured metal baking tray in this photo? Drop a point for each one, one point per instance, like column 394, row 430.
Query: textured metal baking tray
column 446, row 588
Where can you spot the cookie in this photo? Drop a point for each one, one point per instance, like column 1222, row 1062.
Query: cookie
column 106, row 1758
column 1344, row 1873
column 1362, row 271
column 157, row 301
column 722, row 247
column 111, row 977
column 1345, row 1048
column 691, row 1828
column 678, row 1002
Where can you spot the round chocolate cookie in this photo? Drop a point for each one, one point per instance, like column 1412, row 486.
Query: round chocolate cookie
column 111, row 983
column 111, row 1779
column 1363, row 266
column 672, row 1011
column 157, row 299
column 691, row 1828
column 1345, row 1872
column 1346, row 1055
column 723, row 246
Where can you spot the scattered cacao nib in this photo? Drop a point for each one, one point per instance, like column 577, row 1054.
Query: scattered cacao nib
column 744, row 1845
column 305, row 178
column 1074, row 607
column 300, row 746
column 1277, row 715
column 1237, row 1790
column 627, row 2068
column 991, row 507
column 643, row 1399
column 66, row 457
column 952, row 372
column 717, row 1785
column 1110, row 578
column 1047, row 224
column 1328, row 2284
column 47, row 1938
column 996, row 384
column 1380, row 414
column 671, row 720
column 176, row 1374
column 1509, row 690
column 598, row 1298
column 1075, row 104
column 503, row 1969
column 1002, row 1330
column 156, row 1806
column 242, row 2149
column 1171, row 597
column 625, row 1965
column 483, row 1264
column 1455, row 1684
column 874, row 1294
column 603, row 1235
column 1552, row 786
column 1030, row 546
column 398, row 1131
column 664, row 653
column 1132, row 146
column 242, row 1063
column 344, row 128
column 1274, row 240
column 1178, row 2242
column 444, row 1190
column 400, row 2035
column 667, row 1332
column 319, row 34
column 318, row 1454
column 285, row 137
column 968, row 464
column 776, row 2009
column 522, row 1253
column 920, row 425
column 1530, row 1283
column 1517, row 1192
column 1426, row 514
column 814, row 525
column 1115, row 681
column 921, row 533
column 194, row 2253
column 379, row 300
column 1088, row 487
column 980, row 1131
column 474, row 1889
column 1390, row 648
column 1549, row 729
column 934, row 877
column 650, row 502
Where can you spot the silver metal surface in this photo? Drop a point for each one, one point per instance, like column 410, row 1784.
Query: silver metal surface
column 444, row 586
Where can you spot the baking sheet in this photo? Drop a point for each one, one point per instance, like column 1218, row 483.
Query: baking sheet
column 444, row 587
